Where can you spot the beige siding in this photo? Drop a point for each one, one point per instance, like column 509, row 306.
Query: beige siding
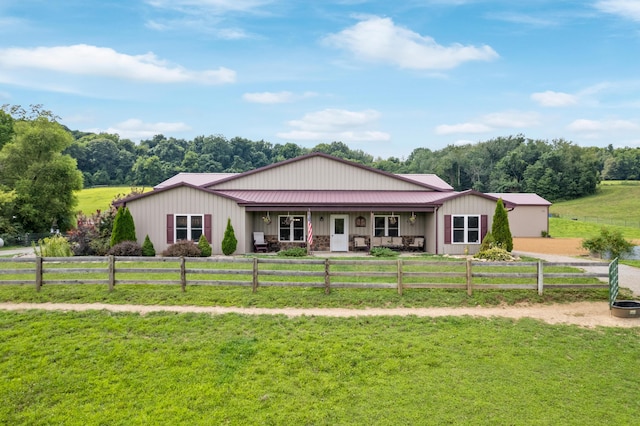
column 529, row 221
column 319, row 173
column 150, row 215
column 463, row 205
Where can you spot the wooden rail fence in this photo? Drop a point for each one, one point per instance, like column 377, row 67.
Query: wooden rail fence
column 256, row 272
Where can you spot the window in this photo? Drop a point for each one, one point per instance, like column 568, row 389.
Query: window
column 189, row 227
column 291, row 228
column 386, row 226
column 466, row 229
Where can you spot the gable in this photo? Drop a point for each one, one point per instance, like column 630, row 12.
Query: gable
column 319, row 172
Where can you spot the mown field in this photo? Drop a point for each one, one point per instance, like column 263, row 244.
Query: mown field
column 616, row 205
column 100, row 198
column 90, row 368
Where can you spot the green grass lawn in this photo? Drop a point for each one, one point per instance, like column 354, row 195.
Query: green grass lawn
column 92, row 199
column 90, row 368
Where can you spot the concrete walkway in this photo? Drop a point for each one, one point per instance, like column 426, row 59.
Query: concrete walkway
column 628, row 276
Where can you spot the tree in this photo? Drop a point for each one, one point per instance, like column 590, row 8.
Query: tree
column 123, row 227
column 608, row 242
column 229, row 242
column 500, row 228
column 147, row 247
column 204, row 246
column 43, row 179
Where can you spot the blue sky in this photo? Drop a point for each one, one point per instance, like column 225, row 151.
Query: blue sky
column 383, row 76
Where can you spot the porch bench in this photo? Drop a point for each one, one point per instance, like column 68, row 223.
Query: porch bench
column 393, row 243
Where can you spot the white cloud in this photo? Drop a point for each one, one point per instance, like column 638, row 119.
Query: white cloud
column 554, row 99
column 82, row 59
column 205, row 25
column 380, row 40
column 219, row 6
column 629, row 9
column 490, row 122
column 268, row 97
column 511, row 119
column 447, row 129
column 336, row 124
column 584, row 125
column 276, row 97
column 137, row 129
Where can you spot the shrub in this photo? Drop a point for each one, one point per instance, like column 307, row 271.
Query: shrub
column 229, row 241
column 500, row 227
column 608, row 242
column 382, row 252
column 92, row 234
column 123, row 227
column 487, row 242
column 126, row 248
column 56, row 246
column 182, row 248
column 204, row 246
column 147, row 247
column 293, row 252
column 495, row 254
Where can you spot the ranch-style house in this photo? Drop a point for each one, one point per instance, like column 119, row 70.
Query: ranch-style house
column 346, row 206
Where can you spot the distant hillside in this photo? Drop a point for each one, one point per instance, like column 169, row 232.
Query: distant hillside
column 100, row 198
column 615, row 203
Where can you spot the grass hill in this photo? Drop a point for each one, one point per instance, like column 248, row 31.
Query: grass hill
column 100, row 198
column 615, row 205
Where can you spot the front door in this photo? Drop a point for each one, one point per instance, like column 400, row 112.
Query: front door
column 339, row 232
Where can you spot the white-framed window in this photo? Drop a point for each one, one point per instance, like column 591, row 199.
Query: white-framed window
column 386, row 226
column 188, row 226
column 291, row 228
column 465, row 229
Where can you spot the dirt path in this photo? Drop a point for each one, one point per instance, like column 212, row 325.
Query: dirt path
column 584, row 314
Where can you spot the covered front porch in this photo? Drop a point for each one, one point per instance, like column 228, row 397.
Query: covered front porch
column 344, row 230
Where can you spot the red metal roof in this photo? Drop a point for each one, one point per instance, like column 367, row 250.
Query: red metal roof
column 351, row 198
column 521, row 199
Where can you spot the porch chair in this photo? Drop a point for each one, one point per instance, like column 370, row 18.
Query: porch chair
column 359, row 243
column 259, row 244
column 417, row 244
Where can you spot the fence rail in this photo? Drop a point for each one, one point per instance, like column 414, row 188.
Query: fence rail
column 329, row 274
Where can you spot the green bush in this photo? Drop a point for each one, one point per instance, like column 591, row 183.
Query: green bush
column 608, row 242
column 56, row 246
column 147, row 247
column 500, row 227
column 126, row 248
column 293, row 252
column 382, row 252
column 229, row 241
column 496, row 254
column 123, row 227
column 204, row 246
column 487, row 242
column 182, row 248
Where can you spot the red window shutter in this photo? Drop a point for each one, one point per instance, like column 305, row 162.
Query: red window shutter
column 447, row 229
column 207, row 227
column 169, row 229
column 484, row 226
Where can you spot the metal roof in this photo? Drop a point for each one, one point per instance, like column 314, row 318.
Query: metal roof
column 428, row 179
column 521, row 199
column 337, row 198
column 196, row 179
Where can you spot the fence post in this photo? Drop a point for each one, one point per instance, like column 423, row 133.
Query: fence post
column 327, row 278
column 400, row 277
column 469, row 285
column 112, row 272
column 540, row 277
column 183, row 275
column 254, row 286
column 38, row 273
